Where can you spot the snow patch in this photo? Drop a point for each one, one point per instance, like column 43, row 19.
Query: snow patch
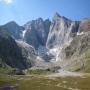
column 80, row 33
column 54, row 51
column 23, row 33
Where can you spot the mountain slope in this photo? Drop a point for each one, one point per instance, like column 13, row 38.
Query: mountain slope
column 13, row 28
column 10, row 53
column 77, row 54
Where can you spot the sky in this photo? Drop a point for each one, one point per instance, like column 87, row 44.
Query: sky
column 22, row 11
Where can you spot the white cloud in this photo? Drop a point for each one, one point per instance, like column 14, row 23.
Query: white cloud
column 7, row 1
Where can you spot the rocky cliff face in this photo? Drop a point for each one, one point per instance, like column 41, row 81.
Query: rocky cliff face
column 37, row 32
column 75, row 55
column 60, row 31
column 69, row 41
column 83, row 28
column 60, row 42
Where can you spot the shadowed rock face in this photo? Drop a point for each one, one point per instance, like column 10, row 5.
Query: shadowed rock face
column 37, row 32
column 13, row 28
column 10, row 53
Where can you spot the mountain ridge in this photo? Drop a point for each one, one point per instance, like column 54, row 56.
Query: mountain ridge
column 50, row 39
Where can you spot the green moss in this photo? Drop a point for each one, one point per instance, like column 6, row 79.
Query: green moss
column 40, row 71
column 5, row 70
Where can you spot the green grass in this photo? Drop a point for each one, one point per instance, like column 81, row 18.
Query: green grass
column 86, row 60
column 80, row 63
column 40, row 82
column 40, row 72
column 5, row 70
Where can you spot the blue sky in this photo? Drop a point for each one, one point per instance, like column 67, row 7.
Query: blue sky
column 22, row 11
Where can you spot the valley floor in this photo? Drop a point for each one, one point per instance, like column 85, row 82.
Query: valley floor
column 63, row 81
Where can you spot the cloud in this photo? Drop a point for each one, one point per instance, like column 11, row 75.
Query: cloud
column 7, row 1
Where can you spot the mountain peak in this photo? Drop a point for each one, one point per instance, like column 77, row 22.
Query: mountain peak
column 40, row 19
column 12, row 23
column 57, row 14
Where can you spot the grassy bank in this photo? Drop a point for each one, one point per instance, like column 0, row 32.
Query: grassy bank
column 41, row 82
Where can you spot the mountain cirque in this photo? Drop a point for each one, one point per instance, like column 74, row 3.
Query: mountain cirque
column 60, row 43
